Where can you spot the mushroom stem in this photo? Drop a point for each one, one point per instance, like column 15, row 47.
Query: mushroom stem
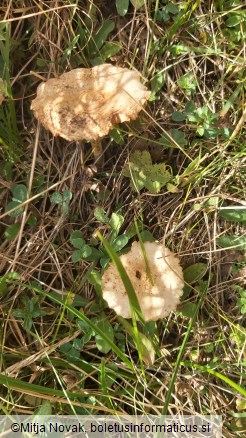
column 97, row 152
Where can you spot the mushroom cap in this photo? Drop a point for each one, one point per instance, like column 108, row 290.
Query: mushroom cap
column 156, row 301
column 86, row 103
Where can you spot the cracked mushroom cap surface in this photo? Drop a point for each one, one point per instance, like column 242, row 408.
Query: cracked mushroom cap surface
column 156, row 301
column 86, row 103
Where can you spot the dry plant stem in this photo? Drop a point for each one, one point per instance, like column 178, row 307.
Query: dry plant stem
column 238, row 126
column 28, row 195
column 37, row 75
column 97, row 153
column 17, row 367
column 23, row 17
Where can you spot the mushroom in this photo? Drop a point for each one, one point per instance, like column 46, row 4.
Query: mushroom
column 156, row 300
column 86, row 103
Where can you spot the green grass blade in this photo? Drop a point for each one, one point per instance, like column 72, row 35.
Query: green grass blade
column 181, row 352
column 148, row 270
column 220, row 376
column 135, row 307
column 124, row 277
column 39, row 390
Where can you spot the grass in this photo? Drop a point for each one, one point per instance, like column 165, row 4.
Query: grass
column 62, row 349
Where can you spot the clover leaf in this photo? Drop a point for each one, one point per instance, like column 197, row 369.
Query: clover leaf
column 145, row 174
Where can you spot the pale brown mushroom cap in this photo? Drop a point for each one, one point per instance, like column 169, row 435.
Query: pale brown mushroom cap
column 86, row 103
column 156, row 301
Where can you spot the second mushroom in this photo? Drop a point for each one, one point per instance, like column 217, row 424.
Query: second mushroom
column 156, row 300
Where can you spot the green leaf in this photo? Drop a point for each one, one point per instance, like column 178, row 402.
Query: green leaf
column 108, row 331
column 172, row 188
column 28, row 322
column 95, row 254
column 82, row 325
column 188, row 83
column 82, row 253
column 172, row 9
column 76, row 256
column 190, row 107
column 19, row 192
column 117, row 136
column 77, row 240
column 6, row 170
column 18, row 313
column 37, row 313
column 32, row 220
column 177, row 135
column 157, row 82
column 94, row 278
column 122, row 7
column 233, row 21
column 177, row 116
column 211, row 133
column 77, row 300
column 109, row 49
column 147, row 236
column 101, row 36
column 200, row 131
column 67, row 196
column 65, row 347
column 101, row 215
column 78, row 344
column 145, row 174
column 137, row 3
column 86, row 251
column 179, row 49
column 12, row 231
column 195, row 272
column 232, row 241
column 56, row 198
column 120, row 242
column 163, row 15
column 44, row 409
column 73, row 353
column 187, row 309
column 241, row 404
column 234, row 214
column 104, row 261
column 11, row 205
column 116, row 221
column 3, row 287
column 64, row 208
